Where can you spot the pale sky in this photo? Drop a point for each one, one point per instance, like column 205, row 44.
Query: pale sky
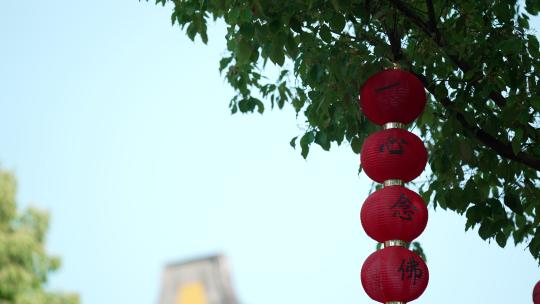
column 118, row 124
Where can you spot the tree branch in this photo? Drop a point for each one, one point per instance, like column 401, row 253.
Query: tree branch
column 409, row 13
column 503, row 149
column 432, row 19
column 432, row 31
column 394, row 37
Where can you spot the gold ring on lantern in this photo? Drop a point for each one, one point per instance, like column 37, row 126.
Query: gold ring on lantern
column 391, row 125
column 395, row 243
column 395, row 302
column 393, row 182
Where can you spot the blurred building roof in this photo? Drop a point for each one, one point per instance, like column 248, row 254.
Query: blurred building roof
column 203, row 280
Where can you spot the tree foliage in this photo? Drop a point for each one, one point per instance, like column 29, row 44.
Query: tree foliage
column 479, row 61
column 24, row 264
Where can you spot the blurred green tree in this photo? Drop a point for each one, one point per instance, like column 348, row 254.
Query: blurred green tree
column 479, row 61
column 24, row 264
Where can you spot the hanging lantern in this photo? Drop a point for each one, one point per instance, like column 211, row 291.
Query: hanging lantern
column 394, row 274
column 393, row 154
column 394, row 213
column 536, row 293
column 392, row 96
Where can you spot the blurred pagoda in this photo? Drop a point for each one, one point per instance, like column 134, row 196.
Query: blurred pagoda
column 204, row 280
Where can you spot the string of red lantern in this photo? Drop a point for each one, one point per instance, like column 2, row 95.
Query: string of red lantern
column 393, row 215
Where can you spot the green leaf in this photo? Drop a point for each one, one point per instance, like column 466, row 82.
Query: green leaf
column 535, row 102
column 305, row 141
column 295, row 25
column 501, row 239
column 486, row 230
column 244, row 51
column 245, row 106
column 315, row 74
column 534, row 244
column 510, row 46
column 233, row 16
column 245, row 15
column 260, row 105
column 518, row 236
column 475, row 214
column 322, row 140
column 512, row 201
column 293, row 142
column 533, row 45
column 247, row 30
column 224, row 62
column 337, row 23
column 520, row 220
column 356, row 145
column 277, row 56
column 234, row 108
column 174, row 16
column 335, row 4
column 204, row 35
column 325, row 34
column 532, row 6
column 291, row 46
column 416, row 247
column 191, row 31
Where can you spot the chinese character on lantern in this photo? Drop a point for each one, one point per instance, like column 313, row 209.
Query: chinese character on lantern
column 403, row 208
column 410, row 269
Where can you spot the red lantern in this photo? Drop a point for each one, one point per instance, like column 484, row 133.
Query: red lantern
column 394, row 213
column 393, row 154
column 536, row 293
column 394, row 274
column 392, row 96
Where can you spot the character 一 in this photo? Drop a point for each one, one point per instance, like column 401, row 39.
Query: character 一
column 387, row 87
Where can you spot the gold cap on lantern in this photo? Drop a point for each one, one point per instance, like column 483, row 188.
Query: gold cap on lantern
column 391, row 125
column 393, row 182
column 395, row 243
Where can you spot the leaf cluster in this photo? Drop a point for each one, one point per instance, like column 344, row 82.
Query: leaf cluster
column 479, row 61
column 24, row 264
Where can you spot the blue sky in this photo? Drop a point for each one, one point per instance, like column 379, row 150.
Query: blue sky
column 118, row 125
